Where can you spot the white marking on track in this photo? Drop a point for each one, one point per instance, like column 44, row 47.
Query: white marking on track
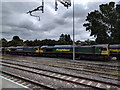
column 15, row 79
column 42, row 83
column 69, row 78
column 28, row 85
column 75, row 79
column 89, row 83
column 108, row 86
column 98, row 85
column 52, row 74
column 82, row 81
column 40, row 71
column 49, row 85
column 48, row 78
column 19, row 81
column 35, row 87
column 68, row 83
column 58, row 75
column 63, row 77
column 8, row 76
column 75, row 85
column 36, row 70
column 61, row 81
column 23, row 83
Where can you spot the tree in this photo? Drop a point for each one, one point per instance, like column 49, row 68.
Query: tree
column 68, row 38
column 48, row 42
column 62, row 37
column 28, row 43
column 104, row 24
column 3, row 41
column 16, row 41
column 16, row 38
column 65, row 39
column 90, row 42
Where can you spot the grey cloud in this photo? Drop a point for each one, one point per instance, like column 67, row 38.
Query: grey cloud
column 60, row 21
column 52, row 24
column 119, row 2
column 48, row 27
column 79, row 11
column 15, row 31
column 17, row 7
column 27, row 24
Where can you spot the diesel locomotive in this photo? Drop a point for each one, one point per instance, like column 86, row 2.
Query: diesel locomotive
column 93, row 52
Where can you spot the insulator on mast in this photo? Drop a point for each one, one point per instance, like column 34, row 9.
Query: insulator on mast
column 66, row 3
column 40, row 8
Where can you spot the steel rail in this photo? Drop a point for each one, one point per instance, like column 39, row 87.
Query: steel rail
column 62, row 74
column 89, row 71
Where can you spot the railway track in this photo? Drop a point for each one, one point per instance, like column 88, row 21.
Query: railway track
column 85, row 71
column 29, row 76
column 61, row 76
column 81, row 63
column 108, row 65
column 32, row 84
column 103, row 69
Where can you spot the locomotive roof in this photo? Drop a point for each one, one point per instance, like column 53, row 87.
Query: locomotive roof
column 56, row 46
column 115, row 46
column 63, row 45
column 24, row 47
column 100, row 45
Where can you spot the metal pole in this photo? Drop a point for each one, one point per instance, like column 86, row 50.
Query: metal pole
column 43, row 6
column 73, row 34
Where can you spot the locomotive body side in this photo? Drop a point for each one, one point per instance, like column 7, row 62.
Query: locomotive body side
column 56, row 51
column 81, row 52
column 93, row 52
column 115, row 51
column 99, row 52
column 20, row 50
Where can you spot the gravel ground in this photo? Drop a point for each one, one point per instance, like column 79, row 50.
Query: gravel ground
column 58, row 61
column 67, row 71
column 69, row 63
column 44, row 80
column 112, row 62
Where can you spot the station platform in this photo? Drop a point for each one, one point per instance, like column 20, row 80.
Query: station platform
column 7, row 84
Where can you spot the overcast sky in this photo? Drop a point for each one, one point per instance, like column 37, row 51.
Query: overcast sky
column 53, row 23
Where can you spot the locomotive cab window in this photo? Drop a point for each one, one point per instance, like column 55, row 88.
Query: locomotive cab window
column 49, row 49
column 13, row 49
column 103, row 49
column 36, row 48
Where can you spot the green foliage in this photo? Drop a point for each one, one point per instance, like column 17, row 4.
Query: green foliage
column 105, row 23
column 48, row 42
column 3, row 42
column 16, row 41
column 64, row 39
column 86, row 42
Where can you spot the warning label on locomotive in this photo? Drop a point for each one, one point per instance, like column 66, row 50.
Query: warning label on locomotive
column 62, row 50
